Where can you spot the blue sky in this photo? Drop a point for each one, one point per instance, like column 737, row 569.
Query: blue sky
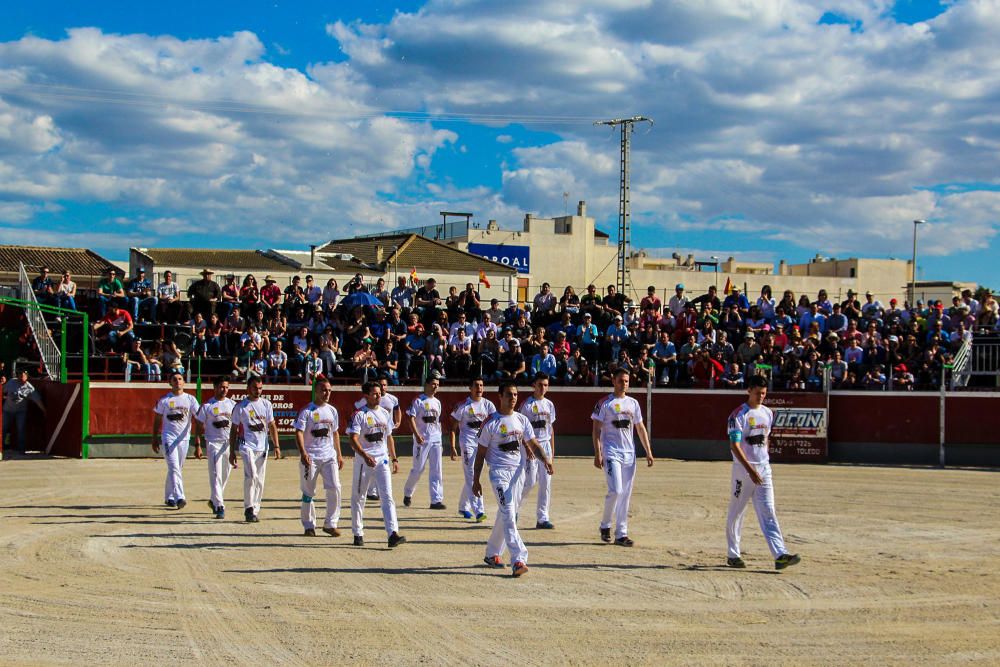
column 783, row 129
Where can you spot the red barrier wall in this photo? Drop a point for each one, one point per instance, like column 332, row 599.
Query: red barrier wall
column 854, row 417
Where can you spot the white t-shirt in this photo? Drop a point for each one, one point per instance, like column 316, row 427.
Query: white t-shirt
column 217, row 416
column 504, row 436
column 388, row 401
column 618, row 417
column 168, row 290
column 751, row 427
column 319, row 425
column 426, row 412
column 470, row 415
column 177, row 412
column 253, row 417
column 373, row 426
column 542, row 414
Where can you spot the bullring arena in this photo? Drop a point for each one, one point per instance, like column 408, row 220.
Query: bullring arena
column 899, row 567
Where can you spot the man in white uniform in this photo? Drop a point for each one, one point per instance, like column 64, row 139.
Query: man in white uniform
column 374, row 456
column 318, row 439
column 542, row 414
column 425, row 422
column 500, row 442
column 172, row 418
column 253, row 418
column 391, row 404
column 749, row 427
column 467, row 417
column 616, row 418
column 215, row 418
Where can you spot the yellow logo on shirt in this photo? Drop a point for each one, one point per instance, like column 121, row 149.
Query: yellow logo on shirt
column 170, row 403
column 618, row 407
column 215, row 410
column 472, row 411
column 370, row 420
column 253, row 415
column 316, row 416
column 534, row 408
column 752, row 421
column 503, row 429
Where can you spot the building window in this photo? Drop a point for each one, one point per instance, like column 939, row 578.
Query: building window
column 854, row 273
column 564, row 226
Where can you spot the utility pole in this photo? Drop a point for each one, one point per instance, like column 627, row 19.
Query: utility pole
column 624, row 204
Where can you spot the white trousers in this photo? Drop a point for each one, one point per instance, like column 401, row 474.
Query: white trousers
column 217, row 454
column 535, row 474
column 327, row 469
column 507, row 486
column 423, row 456
column 620, row 476
column 741, row 491
column 363, row 474
column 254, row 466
column 468, row 501
column 174, row 454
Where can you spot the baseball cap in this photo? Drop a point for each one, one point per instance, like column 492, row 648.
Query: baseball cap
column 679, row 286
column 618, row 318
column 750, row 334
column 901, row 368
column 892, row 302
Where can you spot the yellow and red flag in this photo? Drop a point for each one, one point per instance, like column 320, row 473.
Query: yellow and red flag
column 413, row 275
column 729, row 286
column 482, row 278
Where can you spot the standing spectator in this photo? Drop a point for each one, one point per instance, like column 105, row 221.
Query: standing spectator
column 66, row 292
column 468, row 301
column 204, row 294
column 614, row 304
column 141, row 299
column 249, row 296
column 168, row 295
column 230, row 298
column 109, row 292
column 678, row 302
column 872, row 309
column 710, row 297
column 294, row 296
column 16, row 393
column 569, row 302
column 592, row 304
column 402, row 295
column 495, row 312
column 331, row 295
column 586, row 335
column 738, row 298
column 650, row 301
column 427, row 301
column 314, row 293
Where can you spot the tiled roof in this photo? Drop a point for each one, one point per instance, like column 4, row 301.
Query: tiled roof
column 78, row 261
column 323, row 262
column 414, row 251
column 212, row 258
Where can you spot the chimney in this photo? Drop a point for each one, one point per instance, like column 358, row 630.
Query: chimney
column 689, row 261
column 581, row 208
column 312, row 255
column 378, row 253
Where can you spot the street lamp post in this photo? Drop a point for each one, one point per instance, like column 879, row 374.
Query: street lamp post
column 715, row 258
column 913, row 267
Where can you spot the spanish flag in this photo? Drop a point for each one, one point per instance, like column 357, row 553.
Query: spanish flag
column 413, row 275
column 482, row 278
column 729, row 286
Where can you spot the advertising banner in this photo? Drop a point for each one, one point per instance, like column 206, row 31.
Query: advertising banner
column 799, row 432
column 515, row 256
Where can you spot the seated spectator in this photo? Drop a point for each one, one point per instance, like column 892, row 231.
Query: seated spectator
column 365, row 362
column 243, row 359
column 460, row 354
column 644, row 369
column 470, row 304
column 461, row 324
column 427, row 301
column 45, row 292
column 543, row 362
column 388, row 363
column 116, row 327
column 314, row 293
column 874, row 378
column 270, row 297
column 569, row 302
column 838, row 370
column 169, row 307
column 584, row 375
column 136, row 361
column 615, row 336
column 415, row 344
column 204, row 294
column 110, row 292
column 314, row 366
column 665, row 357
column 733, row 377
column 544, row 303
column 401, row 296
column 871, row 310
column 496, row 314
column 277, row 364
column 678, row 302
column 748, row 350
column 739, row 299
column 66, row 292
column 512, row 363
column 766, row 304
column 902, row 378
column 141, row 298
column 587, row 337
column 198, row 328
column 704, row 370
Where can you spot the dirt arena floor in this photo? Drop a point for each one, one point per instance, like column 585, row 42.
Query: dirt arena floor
column 900, row 566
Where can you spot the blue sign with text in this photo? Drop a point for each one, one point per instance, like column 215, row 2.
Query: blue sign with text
column 515, row 256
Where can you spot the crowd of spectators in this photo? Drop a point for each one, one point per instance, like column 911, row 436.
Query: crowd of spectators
column 366, row 330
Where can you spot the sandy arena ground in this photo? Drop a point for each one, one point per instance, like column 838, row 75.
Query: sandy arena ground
column 899, row 567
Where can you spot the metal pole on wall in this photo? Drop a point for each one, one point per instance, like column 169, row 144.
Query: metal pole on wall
column 649, row 408
column 944, row 369
column 85, row 390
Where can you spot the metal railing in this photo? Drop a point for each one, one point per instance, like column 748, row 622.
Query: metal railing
column 960, row 366
column 47, row 348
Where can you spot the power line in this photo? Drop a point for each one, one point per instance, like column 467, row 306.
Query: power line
column 149, row 100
